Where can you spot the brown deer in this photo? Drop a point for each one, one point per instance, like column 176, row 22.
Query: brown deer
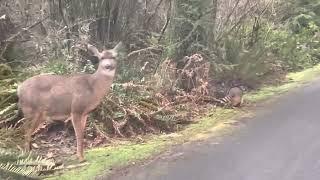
column 54, row 97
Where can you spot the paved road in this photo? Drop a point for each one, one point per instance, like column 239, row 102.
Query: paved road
column 281, row 143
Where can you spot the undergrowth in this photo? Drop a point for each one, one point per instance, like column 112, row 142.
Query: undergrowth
column 165, row 87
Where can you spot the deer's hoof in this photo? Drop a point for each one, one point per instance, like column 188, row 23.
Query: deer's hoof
column 27, row 147
column 82, row 160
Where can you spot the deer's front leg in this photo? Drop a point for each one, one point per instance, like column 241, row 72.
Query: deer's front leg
column 77, row 121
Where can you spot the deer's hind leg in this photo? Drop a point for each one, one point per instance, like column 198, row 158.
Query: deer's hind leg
column 35, row 120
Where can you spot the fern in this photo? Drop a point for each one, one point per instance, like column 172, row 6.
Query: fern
column 23, row 165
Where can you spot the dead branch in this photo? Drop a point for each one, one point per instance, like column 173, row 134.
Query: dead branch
column 61, row 13
column 130, row 85
column 237, row 23
column 101, row 133
column 64, row 168
column 154, row 13
column 6, row 99
column 3, row 50
column 232, row 11
column 188, row 37
column 76, row 166
column 168, row 18
column 160, row 110
column 265, row 8
column 117, row 126
column 157, row 48
column 11, row 38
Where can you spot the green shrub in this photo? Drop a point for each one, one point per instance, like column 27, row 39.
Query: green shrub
column 59, row 67
column 295, row 50
column 247, row 65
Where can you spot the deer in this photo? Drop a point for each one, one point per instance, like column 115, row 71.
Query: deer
column 48, row 97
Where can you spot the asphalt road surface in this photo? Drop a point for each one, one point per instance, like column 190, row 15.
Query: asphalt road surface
column 282, row 142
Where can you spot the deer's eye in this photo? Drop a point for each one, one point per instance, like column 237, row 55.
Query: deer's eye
column 109, row 67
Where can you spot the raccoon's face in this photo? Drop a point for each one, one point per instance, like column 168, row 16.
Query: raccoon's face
column 243, row 88
column 236, row 101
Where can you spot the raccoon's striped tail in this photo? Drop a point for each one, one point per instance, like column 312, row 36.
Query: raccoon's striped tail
column 225, row 100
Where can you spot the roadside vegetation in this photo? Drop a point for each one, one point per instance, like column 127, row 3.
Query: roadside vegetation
column 180, row 56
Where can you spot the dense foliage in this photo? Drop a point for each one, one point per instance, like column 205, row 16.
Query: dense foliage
column 180, row 56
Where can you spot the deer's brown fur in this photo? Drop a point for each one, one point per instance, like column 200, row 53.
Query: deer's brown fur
column 53, row 97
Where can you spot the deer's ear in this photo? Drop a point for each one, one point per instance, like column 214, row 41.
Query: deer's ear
column 94, row 51
column 116, row 49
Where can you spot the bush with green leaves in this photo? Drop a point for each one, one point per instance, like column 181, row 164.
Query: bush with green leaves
column 296, row 51
column 59, row 67
column 244, row 64
column 305, row 14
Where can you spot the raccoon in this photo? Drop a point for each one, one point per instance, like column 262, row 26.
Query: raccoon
column 233, row 97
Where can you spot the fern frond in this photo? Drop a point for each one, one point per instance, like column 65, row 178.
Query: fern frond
column 24, row 164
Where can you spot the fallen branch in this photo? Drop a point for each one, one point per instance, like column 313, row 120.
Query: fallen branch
column 101, row 133
column 160, row 110
column 11, row 38
column 56, row 169
column 157, row 48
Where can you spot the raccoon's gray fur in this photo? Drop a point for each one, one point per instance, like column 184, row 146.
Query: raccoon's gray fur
column 234, row 97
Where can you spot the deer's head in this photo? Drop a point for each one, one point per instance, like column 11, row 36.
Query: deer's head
column 107, row 59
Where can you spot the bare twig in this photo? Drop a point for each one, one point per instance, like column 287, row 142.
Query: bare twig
column 117, row 126
column 168, row 18
column 3, row 51
column 154, row 13
column 101, row 132
column 11, row 38
column 160, row 110
column 237, row 23
column 232, row 11
column 62, row 14
column 6, row 99
column 157, row 48
column 265, row 8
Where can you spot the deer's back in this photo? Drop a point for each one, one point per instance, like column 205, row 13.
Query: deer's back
column 55, row 94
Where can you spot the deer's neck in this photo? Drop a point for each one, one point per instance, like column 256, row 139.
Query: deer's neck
column 101, row 83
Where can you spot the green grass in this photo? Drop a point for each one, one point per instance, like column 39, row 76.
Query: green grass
column 216, row 123
column 103, row 159
column 295, row 80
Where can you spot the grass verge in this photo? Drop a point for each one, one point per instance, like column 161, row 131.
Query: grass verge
column 102, row 160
